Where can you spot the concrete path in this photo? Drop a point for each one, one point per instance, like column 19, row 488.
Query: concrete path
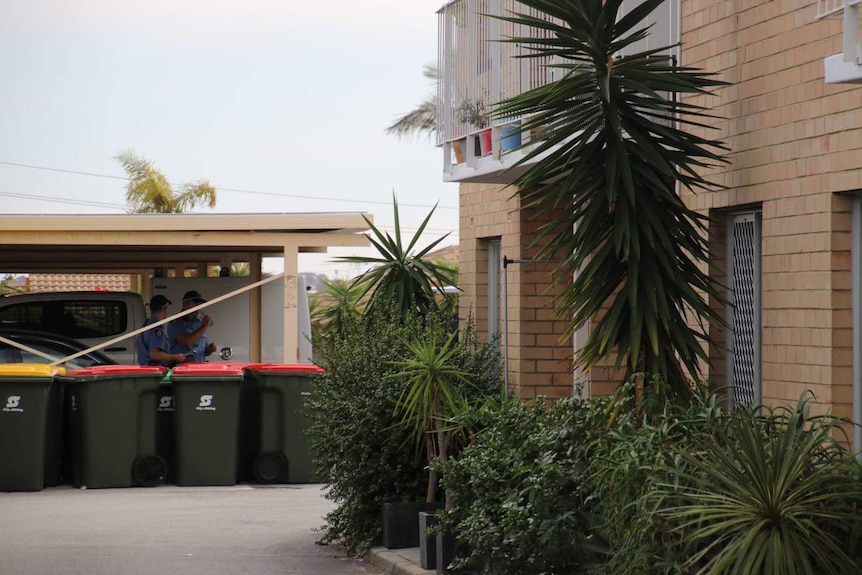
column 167, row 530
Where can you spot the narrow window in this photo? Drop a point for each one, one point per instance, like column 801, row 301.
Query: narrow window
column 495, row 273
column 745, row 308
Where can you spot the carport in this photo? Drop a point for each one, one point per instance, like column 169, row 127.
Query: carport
column 140, row 244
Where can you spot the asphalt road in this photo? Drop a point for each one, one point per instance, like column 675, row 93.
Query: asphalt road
column 167, row 530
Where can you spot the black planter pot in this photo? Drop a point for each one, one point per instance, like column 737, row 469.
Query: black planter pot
column 427, row 543
column 445, row 551
column 401, row 523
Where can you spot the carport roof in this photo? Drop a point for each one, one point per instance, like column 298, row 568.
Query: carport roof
column 135, row 242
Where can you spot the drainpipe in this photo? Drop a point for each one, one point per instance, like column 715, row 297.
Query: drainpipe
column 856, row 306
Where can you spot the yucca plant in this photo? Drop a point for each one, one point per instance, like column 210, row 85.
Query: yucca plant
column 336, row 307
column 611, row 148
column 433, row 392
column 776, row 494
column 399, row 275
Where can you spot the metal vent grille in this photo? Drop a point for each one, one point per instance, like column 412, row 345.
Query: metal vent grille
column 745, row 308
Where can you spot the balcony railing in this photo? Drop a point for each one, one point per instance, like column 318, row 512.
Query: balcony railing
column 476, row 67
column 844, row 68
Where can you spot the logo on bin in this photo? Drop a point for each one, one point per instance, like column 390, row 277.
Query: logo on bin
column 206, row 404
column 166, row 403
column 12, row 404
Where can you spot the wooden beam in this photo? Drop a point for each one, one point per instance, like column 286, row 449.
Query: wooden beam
column 182, row 240
column 344, row 222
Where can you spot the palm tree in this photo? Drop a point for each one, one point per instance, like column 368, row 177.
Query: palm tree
column 398, row 274
column 422, row 120
column 149, row 192
column 613, row 130
column 434, row 391
column 336, row 307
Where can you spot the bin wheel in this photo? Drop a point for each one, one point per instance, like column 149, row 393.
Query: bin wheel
column 149, row 470
column 269, row 467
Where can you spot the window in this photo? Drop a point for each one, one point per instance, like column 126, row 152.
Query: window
column 78, row 319
column 745, row 307
column 495, row 282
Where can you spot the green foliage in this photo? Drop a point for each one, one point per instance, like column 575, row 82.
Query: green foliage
column 674, row 487
column 359, row 450
column 400, row 275
column 612, row 149
column 335, row 308
column 435, row 389
column 473, row 112
column 149, row 192
column 433, row 386
column 639, row 454
column 522, row 502
column 775, row 494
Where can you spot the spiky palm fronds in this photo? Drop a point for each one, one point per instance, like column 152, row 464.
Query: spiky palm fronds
column 615, row 146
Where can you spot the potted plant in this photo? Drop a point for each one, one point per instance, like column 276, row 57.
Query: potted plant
column 474, row 112
column 435, row 390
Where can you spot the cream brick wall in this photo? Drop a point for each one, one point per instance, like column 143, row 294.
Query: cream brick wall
column 796, row 144
column 539, row 361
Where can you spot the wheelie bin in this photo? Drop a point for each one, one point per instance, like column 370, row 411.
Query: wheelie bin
column 29, row 428
column 112, row 423
column 165, row 447
column 206, row 400
column 280, row 448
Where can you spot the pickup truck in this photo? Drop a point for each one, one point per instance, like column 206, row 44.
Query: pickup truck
column 91, row 317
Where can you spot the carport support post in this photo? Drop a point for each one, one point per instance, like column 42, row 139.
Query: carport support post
column 254, row 309
column 291, row 317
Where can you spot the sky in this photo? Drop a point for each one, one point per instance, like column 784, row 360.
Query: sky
column 285, row 98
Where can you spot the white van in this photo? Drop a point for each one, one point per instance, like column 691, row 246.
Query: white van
column 91, row 317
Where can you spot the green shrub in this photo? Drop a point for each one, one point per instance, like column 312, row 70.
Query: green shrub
column 359, row 452
column 652, row 487
column 630, row 465
column 775, row 493
column 521, row 499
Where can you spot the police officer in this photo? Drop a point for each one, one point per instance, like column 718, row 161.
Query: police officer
column 154, row 346
column 188, row 333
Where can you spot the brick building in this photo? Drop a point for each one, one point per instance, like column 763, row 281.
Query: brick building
column 785, row 231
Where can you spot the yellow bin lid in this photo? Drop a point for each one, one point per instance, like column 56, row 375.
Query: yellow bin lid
column 27, row 370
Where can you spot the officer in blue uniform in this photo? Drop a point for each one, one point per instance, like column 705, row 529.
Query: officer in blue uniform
column 188, row 333
column 154, row 346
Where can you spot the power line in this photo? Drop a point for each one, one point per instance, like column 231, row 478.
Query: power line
column 237, row 190
column 54, row 199
column 64, row 200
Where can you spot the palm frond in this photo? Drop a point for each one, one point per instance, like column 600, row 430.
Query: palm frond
column 613, row 147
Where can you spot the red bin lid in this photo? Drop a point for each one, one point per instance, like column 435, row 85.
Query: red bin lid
column 208, row 369
column 113, row 370
column 286, row 368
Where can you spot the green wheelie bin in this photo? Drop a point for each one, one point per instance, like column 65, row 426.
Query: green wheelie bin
column 281, row 453
column 165, row 447
column 29, row 427
column 112, row 424
column 206, row 422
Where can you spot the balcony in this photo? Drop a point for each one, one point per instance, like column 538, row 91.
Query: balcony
column 844, row 68
column 478, row 70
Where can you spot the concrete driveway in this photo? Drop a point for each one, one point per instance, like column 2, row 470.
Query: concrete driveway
column 167, row 530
